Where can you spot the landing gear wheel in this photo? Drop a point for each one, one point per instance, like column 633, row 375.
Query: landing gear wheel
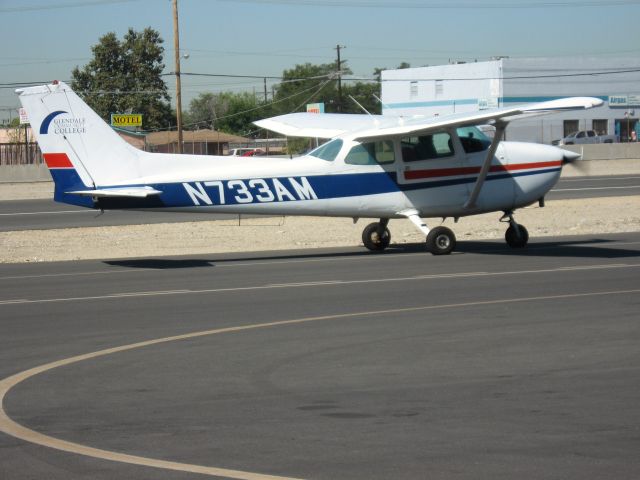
column 515, row 240
column 441, row 241
column 373, row 239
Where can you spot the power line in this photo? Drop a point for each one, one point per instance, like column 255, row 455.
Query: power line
column 225, row 75
column 55, row 6
column 259, row 107
column 515, row 77
column 256, row 77
column 449, row 5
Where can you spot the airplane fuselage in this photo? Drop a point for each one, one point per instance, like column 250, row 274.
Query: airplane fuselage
column 521, row 173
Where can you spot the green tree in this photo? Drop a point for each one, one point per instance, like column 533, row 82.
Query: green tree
column 226, row 111
column 308, row 83
column 124, row 77
column 363, row 93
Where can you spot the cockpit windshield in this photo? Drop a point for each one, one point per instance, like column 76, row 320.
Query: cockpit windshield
column 329, row 151
column 473, row 139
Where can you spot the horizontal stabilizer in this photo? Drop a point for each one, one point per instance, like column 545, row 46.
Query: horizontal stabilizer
column 128, row 192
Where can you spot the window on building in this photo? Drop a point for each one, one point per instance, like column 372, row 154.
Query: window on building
column 427, row 147
column 570, row 126
column 439, row 88
column 601, row 127
column 371, row 153
column 413, row 89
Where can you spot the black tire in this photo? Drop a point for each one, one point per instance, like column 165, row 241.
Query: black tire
column 441, row 241
column 514, row 240
column 373, row 240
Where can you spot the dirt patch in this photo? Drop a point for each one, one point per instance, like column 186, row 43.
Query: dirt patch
column 562, row 217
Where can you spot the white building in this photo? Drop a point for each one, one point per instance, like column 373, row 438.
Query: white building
column 464, row 87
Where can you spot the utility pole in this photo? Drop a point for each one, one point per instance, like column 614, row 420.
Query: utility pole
column 176, row 46
column 339, row 65
column 266, row 132
column 265, row 89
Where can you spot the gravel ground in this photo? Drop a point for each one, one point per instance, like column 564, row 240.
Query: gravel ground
column 562, row 217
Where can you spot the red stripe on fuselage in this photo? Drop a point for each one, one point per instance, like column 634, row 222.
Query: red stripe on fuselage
column 450, row 172
column 57, row 160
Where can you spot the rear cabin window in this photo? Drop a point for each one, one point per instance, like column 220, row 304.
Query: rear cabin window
column 427, row 147
column 329, row 151
column 473, row 139
column 372, row 153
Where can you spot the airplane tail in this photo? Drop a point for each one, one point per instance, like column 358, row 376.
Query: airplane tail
column 82, row 152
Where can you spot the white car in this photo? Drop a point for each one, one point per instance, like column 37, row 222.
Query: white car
column 582, row 137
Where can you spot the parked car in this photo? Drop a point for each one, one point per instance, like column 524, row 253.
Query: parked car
column 582, row 137
column 246, row 152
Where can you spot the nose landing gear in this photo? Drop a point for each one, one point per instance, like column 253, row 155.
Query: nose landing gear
column 516, row 235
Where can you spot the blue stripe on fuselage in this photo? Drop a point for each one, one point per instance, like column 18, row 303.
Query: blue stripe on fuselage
column 283, row 189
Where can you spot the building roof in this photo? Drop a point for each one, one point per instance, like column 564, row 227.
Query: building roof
column 205, row 135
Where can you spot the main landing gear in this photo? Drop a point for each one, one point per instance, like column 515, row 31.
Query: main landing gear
column 376, row 236
column 440, row 240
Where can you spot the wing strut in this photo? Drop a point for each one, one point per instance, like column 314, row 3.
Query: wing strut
column 471, row 202
column 413, row 215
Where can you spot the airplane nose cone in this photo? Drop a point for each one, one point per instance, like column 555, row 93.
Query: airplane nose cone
column 569, row 157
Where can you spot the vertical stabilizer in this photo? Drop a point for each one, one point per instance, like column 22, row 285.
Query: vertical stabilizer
column 80, row 149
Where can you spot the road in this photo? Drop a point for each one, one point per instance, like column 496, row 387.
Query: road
column 329, row 364
column 46, row 214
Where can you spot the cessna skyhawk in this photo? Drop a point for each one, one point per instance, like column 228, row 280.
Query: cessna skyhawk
column 373, row 166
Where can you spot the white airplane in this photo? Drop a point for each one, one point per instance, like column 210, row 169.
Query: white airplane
column 374, row 166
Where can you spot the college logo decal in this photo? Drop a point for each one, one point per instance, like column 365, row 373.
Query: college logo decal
column 44, row 128
column 62, row 126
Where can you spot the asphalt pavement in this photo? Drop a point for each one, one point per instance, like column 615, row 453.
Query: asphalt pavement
column 46, row 214
column 328, row 364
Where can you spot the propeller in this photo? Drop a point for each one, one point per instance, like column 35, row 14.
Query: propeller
column 573, row 160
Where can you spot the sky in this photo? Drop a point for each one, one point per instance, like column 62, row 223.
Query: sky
column 44, row 40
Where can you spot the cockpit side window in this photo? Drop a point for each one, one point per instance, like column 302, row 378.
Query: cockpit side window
column 329, row 151
column 473, row 139
column 427, row 147
column 372, row 153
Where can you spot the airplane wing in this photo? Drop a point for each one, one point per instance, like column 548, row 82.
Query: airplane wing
column 322, row 125
column 330, row 125
column 126, row 192
column 502, row 115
